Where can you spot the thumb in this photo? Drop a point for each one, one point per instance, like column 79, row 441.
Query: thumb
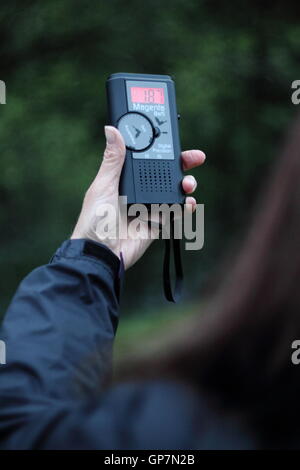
column 113, row 158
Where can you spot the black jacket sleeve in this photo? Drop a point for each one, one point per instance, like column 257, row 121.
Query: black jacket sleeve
column 59, row 332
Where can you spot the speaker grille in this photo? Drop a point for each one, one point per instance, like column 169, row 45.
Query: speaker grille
column 155, row 176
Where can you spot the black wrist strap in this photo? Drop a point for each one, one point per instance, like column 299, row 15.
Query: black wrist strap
column 172, row 295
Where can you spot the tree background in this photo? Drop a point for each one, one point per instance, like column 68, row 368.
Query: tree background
column 233, row 64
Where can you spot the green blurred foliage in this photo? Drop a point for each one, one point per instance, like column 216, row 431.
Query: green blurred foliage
column 233, row 63
column 149, row 329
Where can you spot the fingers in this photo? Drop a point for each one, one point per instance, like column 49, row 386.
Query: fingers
column 192, row 158
column 189, row 184
column 190, row 204
column 113, row 159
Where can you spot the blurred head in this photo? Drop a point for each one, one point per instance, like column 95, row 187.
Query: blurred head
column 239, row 353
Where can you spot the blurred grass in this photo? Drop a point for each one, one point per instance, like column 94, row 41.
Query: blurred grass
column 144, row 328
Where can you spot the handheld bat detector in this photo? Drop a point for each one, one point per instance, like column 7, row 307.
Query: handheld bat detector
column 143, row 108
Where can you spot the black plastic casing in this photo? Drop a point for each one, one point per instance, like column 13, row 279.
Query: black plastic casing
column 147, row 181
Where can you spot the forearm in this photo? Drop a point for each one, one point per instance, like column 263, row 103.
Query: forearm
column 60, row 326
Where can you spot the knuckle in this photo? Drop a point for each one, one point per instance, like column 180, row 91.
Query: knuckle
column 109, row 154
column 113, row 153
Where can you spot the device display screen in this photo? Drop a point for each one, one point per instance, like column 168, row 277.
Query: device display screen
column 149, row 98
column 147, row 95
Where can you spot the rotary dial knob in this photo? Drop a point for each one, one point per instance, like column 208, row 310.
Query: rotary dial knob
column 137, row 130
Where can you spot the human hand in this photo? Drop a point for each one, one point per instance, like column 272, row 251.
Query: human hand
column 104, row 191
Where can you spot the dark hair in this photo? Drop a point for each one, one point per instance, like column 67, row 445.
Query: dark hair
column 239, row 353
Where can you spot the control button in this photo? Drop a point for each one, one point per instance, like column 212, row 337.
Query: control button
column 157, row 132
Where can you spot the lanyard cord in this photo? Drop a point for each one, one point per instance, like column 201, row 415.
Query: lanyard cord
column 172, row 295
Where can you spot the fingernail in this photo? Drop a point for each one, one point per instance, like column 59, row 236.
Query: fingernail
column 191, row 179
column 109, row 134
column 190, row 204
